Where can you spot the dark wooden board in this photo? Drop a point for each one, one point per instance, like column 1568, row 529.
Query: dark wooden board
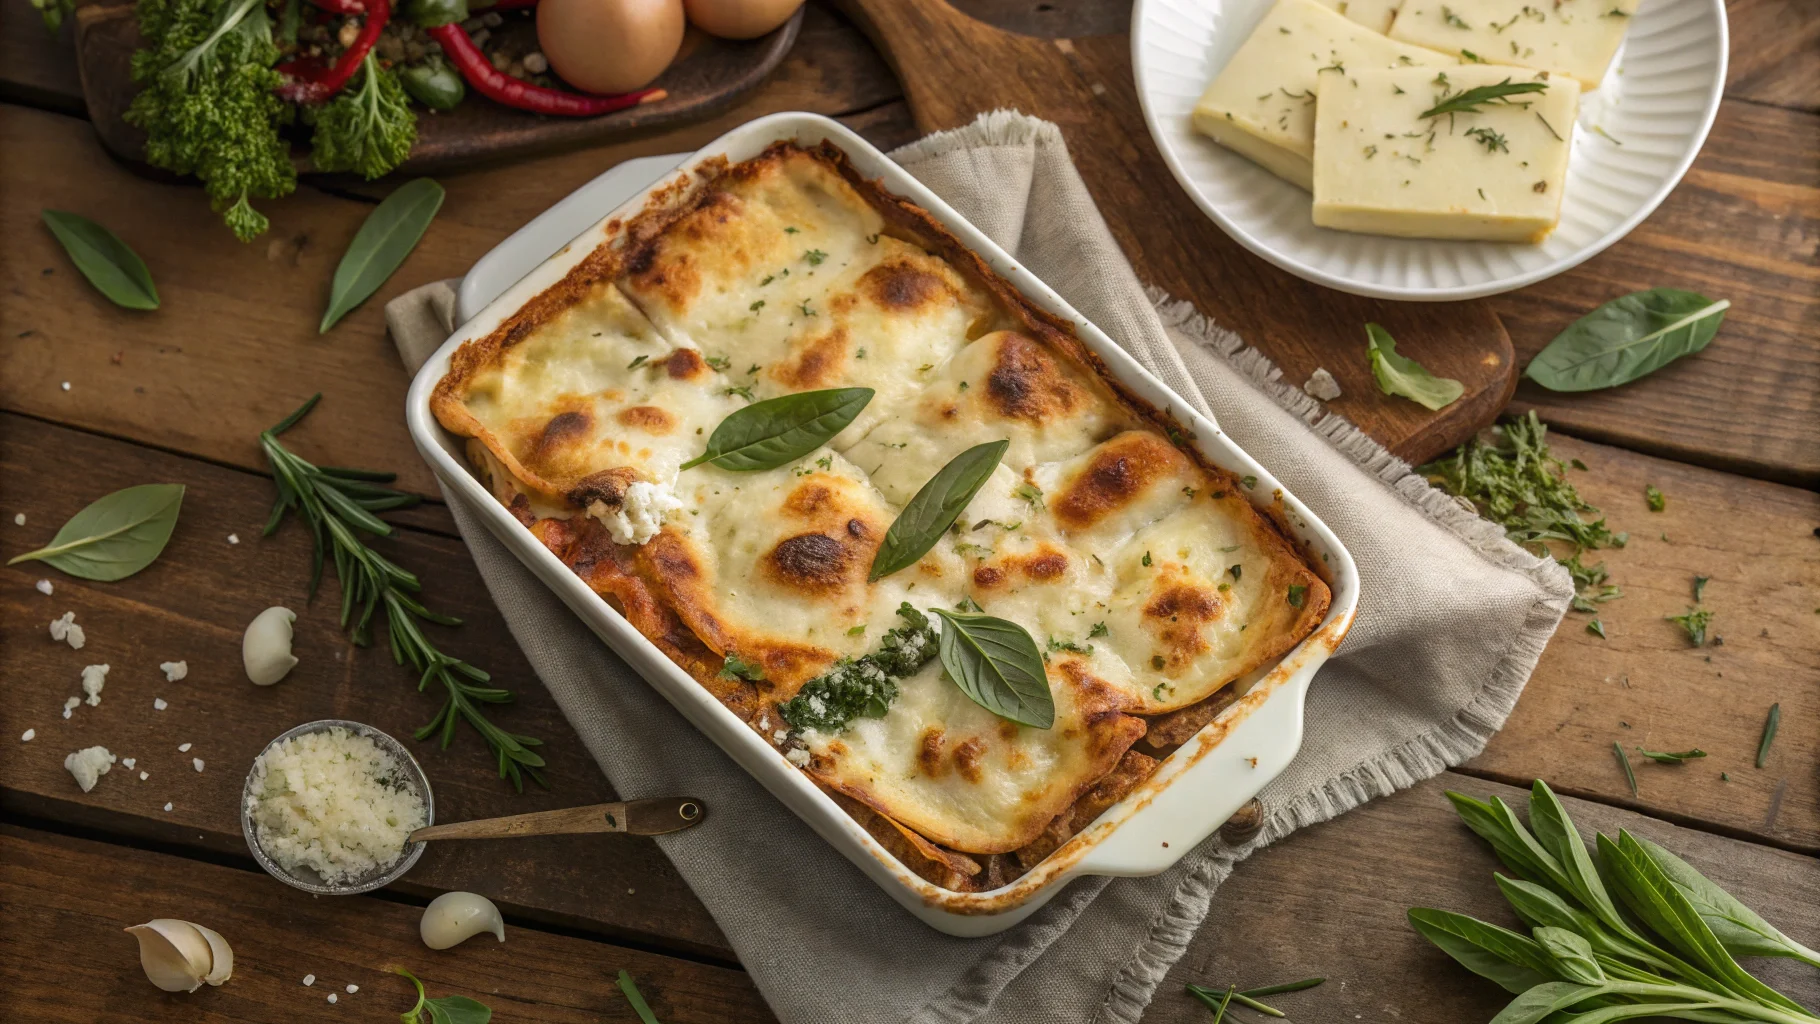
column 708, row 75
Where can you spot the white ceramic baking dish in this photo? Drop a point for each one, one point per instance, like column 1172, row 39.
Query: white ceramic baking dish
column 1194, row 791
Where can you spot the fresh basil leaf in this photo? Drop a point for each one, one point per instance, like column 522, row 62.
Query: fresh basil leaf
column 1573, row 955
column 459, row 1010
column 1498, row 954
column 109, row 264
column 1737, row 927
column 997, row 664
column 389, row 234
column 934, row 508
column 115, row 536
column 1400, row 375
column 1627, row 338
column 776, row 431
column 636, row 998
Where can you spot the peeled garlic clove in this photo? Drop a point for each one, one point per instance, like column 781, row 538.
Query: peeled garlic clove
column 266, row 648
column 221, row 956
column 175, row 954
column 455, row 917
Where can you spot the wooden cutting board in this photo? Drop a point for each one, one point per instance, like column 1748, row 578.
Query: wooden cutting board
column 707, row 76
column 953, row 68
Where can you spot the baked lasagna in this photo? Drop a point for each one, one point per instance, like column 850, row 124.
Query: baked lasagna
column 1145, row 577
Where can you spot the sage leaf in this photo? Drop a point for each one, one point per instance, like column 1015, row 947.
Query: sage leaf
column 636, row 998
column 777, row 431
column 1737, row 927
column 934, row 508
column 1627, row 338
column 1498, row 954
column 115, row 536
column 1543, row 1001
column 110, row 265
column 1572, row 953
column 1769, row 733
column 1556, row 832
column 997, row 664
column 1400, row 375
column 389, row 234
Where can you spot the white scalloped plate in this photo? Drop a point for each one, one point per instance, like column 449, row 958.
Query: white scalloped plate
column 1658, row 103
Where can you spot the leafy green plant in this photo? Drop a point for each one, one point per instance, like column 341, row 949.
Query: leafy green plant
column 114, row 536
column 934, row 507
column 1400, row 375
column 777, row 431
column 1633, row 932
column 446, row 1010
column 1627, row 338
column 338, row 505
column 996, row 663
column 110, row 265
column 368, row 128
column 385, row 238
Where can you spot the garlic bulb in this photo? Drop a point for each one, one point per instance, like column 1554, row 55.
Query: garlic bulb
column 266, row 649
column 178, row 956
column 455, row 917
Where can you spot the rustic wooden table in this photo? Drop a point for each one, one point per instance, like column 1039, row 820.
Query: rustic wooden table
column 1731, row 436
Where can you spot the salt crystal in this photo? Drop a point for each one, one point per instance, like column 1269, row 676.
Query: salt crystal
column 146, row 775
column 174, row 670
column 233, row 538
column 130, row 762
column 167, row 807
column 159, row 704
column 66, row 385
column 19, row 519
column 308, row 980
column 183, row 748
column 197, row 761
column 27, row 736
column 333, row 997
column 44, row 587
column 353, row 989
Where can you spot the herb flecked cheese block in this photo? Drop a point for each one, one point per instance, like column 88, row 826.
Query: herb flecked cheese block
column 1262, row 103
column 1491, row 173
column 1567, row 37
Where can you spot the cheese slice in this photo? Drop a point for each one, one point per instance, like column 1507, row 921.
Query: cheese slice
column 1373, row 14
column 1494, row 175
column 1262, row 103
column 1568, row 37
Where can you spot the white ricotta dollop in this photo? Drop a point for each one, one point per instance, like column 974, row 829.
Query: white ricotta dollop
column 174, row 670
column 94, row 677
column 66, row 630
column 640, row 515
column 88, row 765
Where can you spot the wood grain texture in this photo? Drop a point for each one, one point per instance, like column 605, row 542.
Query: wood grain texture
column 37, row 67
column 1775, row 56
column 1330, row 901
column 67, row 961
column 193, row 605
column 953, row 68
column 1647, row 686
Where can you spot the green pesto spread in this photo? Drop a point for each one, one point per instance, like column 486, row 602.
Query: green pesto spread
column 863, row 687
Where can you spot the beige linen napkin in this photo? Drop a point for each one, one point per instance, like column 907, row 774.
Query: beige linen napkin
column 1451, row 622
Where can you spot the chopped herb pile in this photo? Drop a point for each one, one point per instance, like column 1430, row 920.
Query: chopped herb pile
column 1654, row 497
column 1694, row 622
column 863, row 687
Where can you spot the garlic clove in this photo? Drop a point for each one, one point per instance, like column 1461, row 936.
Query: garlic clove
column 221, row 955
column 174, row 954
column 266, row 648
column 455, row 917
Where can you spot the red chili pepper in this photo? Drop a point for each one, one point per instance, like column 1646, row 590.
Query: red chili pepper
column 307, row 81
column 496, row 85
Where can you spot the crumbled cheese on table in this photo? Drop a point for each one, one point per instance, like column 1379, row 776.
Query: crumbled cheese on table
column 45, row 588
column 88, row 765
column 66, row 630
column 333, row 801
column 174, row 670
column 130, row 762
column 94, row 677
column 1322, row 385
column 70, row 705
column 183, row 748
column 233, row 538
column 197, row 761
column 159, row 704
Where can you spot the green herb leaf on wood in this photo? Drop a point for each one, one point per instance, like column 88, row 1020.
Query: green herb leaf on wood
column 1742, row 932
column 444, row 1010
column 1514, row 961
column 110, row 265
column 1668, row 757
column 1400, row 375
column 1694, row 623
column 996, row 663
column 776, row 431
column 1769, row 733
column 1630, row 774
column 636, row 998
column 387, row 236
column 934, row 508
column 1627, row 338
column 1653, row 497
column 115, row 536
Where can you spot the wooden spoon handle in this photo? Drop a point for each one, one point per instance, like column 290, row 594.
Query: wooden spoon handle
column 638, row 817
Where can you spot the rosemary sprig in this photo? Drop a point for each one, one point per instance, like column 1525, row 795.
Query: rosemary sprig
column 338, row 504
column 1470, row 100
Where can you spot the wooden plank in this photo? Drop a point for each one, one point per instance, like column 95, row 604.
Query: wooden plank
column 1741, row 227
column 37, row 67
column 1774, row 56
column 67, row 900
column 193, row 604
column 1330, row 902
column 1648, row 686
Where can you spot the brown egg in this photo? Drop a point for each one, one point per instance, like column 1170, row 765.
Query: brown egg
column 740, row 19
column 609, row 46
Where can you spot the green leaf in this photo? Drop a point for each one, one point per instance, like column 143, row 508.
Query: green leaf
column 934, row 508
column 636, row 998
column 459, row 1010
column 1538, row 1003
column 1499, row 954
column 1667, row 757
column 1627, row 338
column 1737, row 927
column 368, row 127
column 776, row 431
column 1398, row 375
column 998, row 665
column 389, row 234
column 1573, row 955
column 1769, row 733
column 1556, row 832
column 1471, row 100
column 109, row 264
column 115, row 536
column 1489, row 826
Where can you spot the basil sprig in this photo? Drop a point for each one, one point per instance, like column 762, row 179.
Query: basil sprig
column 934, row 508
column 1401, row 375
column 115, row 536
column 385, row 238
column 109, row 264
column 1669, row 952
column 777, row 431
column 1627, row 338
column 996, row 663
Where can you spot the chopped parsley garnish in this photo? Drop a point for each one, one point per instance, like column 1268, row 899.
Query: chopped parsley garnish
column 1030, row 493
column 1700, row 587
column 1237, row 572
column 736, row 667
column 805, row 308
column 1069, row 645
column 636, row 363
column 718, row 362
column 1146, row 559
column 1472, row 57
column 1491, row 140
column 1298, row 595
column 814, row 257
column 756, row 306
column 1694, row 622
column 1596, row 628
column 861, row 354
column 743, row 391
column 968, row 604
column 753, row 369
column 1453, row 19
column 1248, row 480
column 1654, row 497
column 863, row 687
column 825, row 462
column 790, row 231
column 859, row 630
column 1099, row 629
